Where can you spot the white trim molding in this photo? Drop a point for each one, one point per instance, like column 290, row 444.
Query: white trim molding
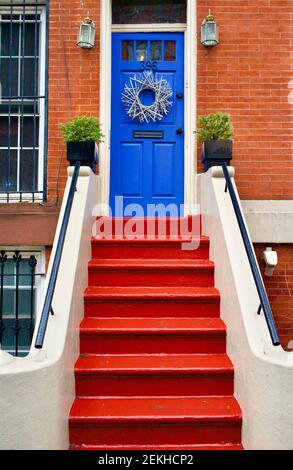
column 148, row 27
column 106, row 28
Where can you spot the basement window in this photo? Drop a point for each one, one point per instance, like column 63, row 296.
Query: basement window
column 22, row 273
column 22, row 101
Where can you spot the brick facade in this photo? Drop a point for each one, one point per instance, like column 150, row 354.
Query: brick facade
column 249, row 75
column 73, row 81
column 280, row 290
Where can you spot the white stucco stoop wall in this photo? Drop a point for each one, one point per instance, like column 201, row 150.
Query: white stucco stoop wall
column 36, row 392
column 263, row 372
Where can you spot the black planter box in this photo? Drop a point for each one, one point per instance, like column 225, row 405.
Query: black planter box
column 216, row 151
column 84, row 152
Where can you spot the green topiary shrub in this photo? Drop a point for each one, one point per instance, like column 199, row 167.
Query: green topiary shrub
column 82, row 129
column 216, row 126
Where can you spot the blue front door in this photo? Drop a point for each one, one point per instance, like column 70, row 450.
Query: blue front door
column 147, row 128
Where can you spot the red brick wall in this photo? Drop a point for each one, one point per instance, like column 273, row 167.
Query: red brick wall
column 280, row 289
column 247, row 75
column 73, row 80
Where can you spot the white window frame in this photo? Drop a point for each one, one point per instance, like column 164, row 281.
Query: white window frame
column 190, row 64
column 27, row 197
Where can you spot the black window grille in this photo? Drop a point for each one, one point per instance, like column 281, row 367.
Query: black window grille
column 23, row 100
column 19, row 283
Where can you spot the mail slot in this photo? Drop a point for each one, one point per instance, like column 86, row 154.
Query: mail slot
column 148, row 134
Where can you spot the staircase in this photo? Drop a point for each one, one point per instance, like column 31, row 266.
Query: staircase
column 153, row 371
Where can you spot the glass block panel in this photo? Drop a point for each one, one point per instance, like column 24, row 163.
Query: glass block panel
column 170, row 51
column 141, row 51
column 148, row 11
column 8, row 170
column 5, row 124
column 9, row 39
column 28, row 170
column 156, row 50
column 127, row 50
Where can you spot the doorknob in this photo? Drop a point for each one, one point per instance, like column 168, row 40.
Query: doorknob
column 179, row 130
column 179, row 95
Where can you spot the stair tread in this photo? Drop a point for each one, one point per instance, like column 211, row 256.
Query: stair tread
column 148, row 363
column 152, row 325
column 156, row 408
column 155, row 239
column 161, row 447
column 151, row 263
column 138, row 292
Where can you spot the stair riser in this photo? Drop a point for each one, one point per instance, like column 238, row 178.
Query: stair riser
column 154, row 385
column 156, row 344
column 149, row 226
column 152, row 277
column 147, row 250
column 154, row 433
column 147, row 309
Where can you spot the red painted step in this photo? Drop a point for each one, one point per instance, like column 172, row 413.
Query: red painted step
column 149, row 301
column 155, row 420
column 150, row 249
column 154, row 375
column 140, row 272
column 160, row 447
column 152, row 335
column 153, row 372
column 122, row 227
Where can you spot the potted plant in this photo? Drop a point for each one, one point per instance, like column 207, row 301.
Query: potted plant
column 215, row 130
column 81, row 135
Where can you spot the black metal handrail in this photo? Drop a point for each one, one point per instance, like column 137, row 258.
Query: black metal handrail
column 264, row 301
column 47, row 308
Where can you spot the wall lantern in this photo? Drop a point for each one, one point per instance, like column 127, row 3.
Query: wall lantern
column 86, row 34
column 209, row 31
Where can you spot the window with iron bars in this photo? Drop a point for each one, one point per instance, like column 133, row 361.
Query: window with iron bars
column 23, row 103
column 22, row 273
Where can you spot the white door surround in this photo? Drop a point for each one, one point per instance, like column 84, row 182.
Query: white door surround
column 190, row 61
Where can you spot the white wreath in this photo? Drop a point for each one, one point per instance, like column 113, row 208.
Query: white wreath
column 146, row 113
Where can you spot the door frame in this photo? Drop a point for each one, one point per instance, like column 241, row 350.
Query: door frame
column 190, row 64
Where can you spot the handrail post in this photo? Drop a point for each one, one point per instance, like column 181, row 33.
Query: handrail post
column 47, row 307
column 264, row 301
